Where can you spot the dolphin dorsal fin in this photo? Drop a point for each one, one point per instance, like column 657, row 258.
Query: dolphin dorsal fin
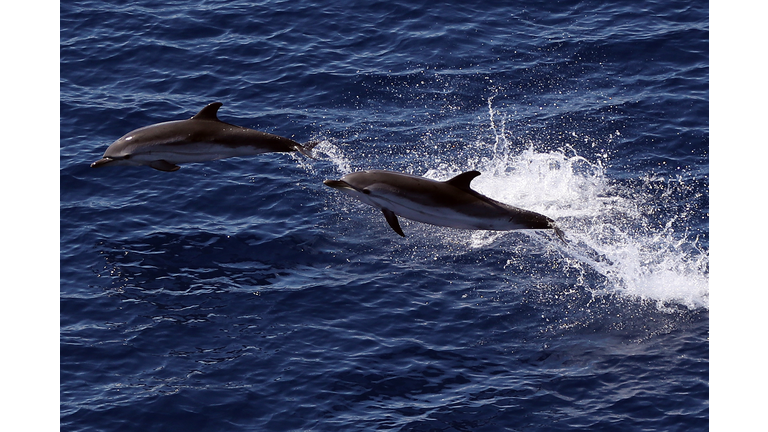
column 463, row 180
column 209, row 112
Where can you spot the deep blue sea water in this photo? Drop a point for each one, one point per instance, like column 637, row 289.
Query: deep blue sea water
column 244, row 295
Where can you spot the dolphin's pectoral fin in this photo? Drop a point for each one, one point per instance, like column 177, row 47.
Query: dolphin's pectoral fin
column 392, row 221
column 162, row 165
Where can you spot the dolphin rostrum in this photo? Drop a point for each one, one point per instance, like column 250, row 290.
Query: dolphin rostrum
column 202, row 138
column 451, row 203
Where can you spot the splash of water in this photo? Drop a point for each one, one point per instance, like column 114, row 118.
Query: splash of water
column 637, row 252
column 325, row 150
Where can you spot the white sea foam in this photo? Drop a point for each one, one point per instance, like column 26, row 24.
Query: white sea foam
column 325, row 150
column 608, row 226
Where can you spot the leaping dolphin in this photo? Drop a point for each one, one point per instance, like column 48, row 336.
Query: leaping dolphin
column 202, row 138
column 451, row 203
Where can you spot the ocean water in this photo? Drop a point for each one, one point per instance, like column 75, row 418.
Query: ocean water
column 244, row 295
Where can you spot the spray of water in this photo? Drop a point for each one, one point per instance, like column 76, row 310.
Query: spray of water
column 637, row 252
column 325, row 150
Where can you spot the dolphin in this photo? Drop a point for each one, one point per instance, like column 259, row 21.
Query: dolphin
column 451, row 203
column 202, row 138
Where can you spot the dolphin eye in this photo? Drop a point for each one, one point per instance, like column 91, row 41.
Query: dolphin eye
column 366, row 191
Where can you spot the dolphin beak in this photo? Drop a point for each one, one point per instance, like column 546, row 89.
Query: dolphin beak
column 337, row 184
column 101, row 162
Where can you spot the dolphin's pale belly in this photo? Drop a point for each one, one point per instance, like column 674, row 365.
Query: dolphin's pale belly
column 194, row 152
column 464, row 218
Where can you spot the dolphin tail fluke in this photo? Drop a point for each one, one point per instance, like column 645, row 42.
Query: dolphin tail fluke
column 306, row 148
column 559, row 233
column 392, row 221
